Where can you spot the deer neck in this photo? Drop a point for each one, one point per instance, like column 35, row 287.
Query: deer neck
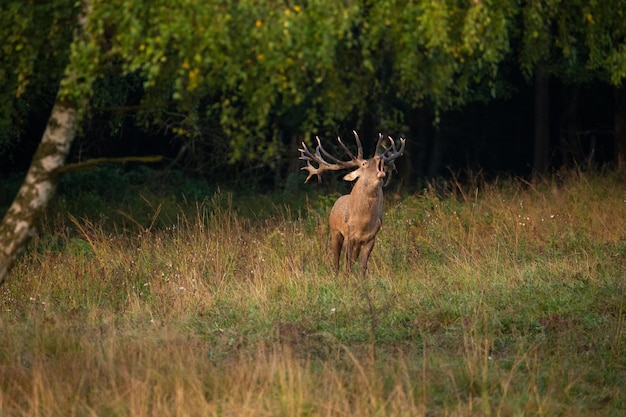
column 364, row 197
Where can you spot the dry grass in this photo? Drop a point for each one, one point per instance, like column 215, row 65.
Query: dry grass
column 496, row 299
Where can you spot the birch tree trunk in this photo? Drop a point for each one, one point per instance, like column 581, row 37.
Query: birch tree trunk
column 39, row 185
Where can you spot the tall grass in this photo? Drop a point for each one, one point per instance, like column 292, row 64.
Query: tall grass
column 500, row 298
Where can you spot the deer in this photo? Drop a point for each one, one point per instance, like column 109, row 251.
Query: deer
column 355, row 218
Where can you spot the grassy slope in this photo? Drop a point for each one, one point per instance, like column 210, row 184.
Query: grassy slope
column 503, row 299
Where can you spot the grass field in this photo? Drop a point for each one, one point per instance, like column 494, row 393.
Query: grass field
column 502, row 299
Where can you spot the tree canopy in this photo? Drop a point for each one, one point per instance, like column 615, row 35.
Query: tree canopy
column 250, row 66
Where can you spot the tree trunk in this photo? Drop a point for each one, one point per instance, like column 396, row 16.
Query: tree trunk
column 39, row 185
column 38, row 188
column 569, row 139
column 542, row 124
column 435, row 163
column 619, row 121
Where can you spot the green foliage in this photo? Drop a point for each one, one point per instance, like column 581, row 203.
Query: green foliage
column 33, row 33
column 577, row 40
column 254, row 67
column 35, row 45
column 261, row 63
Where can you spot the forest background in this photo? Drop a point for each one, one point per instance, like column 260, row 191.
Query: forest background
column 226, row 91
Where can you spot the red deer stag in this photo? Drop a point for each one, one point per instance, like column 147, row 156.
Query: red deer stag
column 355, row 219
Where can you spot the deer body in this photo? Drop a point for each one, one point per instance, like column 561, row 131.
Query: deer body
column 355, row 218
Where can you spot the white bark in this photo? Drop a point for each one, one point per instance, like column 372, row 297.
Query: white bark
column 38, row 188
column 39, row 185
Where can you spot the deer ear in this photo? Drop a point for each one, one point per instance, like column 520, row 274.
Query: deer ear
column 352, row 176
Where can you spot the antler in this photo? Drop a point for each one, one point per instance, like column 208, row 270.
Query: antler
column 390, row 154
column 334, row 164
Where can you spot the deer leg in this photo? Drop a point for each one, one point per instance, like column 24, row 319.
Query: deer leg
column 356, row 251
column 367, row 250
column 349, row 255
column 337, row 244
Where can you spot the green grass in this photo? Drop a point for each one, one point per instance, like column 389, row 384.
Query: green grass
column 499, row 299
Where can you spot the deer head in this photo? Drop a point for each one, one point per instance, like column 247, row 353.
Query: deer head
column 355, row 218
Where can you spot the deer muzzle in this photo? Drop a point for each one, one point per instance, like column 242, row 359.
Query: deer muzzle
column 380, row 164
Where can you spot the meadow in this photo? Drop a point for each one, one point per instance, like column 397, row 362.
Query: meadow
column 498, row 298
